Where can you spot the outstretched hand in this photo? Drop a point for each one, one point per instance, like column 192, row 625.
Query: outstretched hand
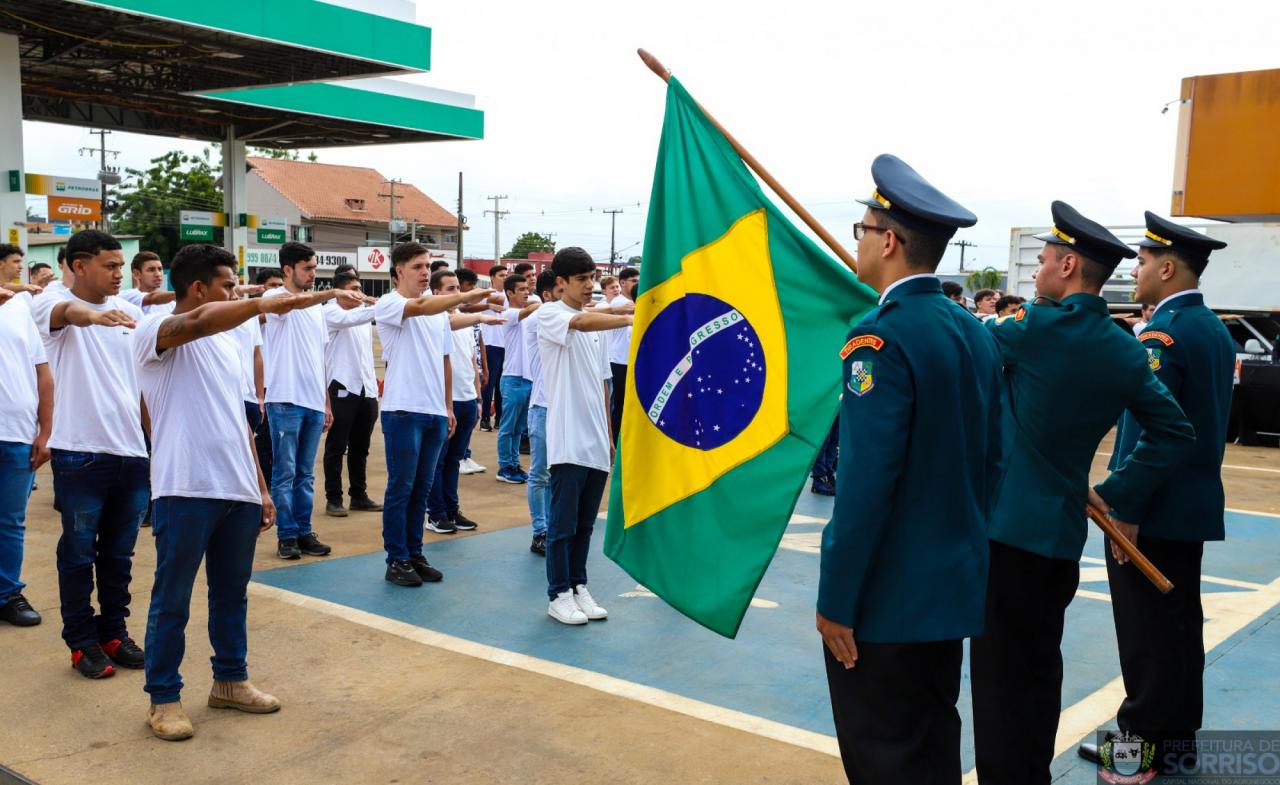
column 283, row 303
column 112, row 318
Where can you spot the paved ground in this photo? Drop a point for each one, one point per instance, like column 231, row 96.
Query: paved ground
column 468, row 681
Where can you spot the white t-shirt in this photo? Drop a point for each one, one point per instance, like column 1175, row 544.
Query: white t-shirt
column 249, row 335
column 95, row 399
column 462, row 358
column 493, row 333
column 414, row 379
column 513, row 359
column 619, row 339
column 54, row 291
column 1138, row 327
column 295, row 373
column 134, row 296
column 348, row 357
column 199, row 438
column 21, row 350
column 574, row 365
column 533, row 362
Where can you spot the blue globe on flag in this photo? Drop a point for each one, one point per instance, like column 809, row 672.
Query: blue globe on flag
column 700, row 371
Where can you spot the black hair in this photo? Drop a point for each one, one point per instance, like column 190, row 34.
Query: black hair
column 511, row 281
column 62, row 254
column 8, row 250
column 292, row 254
column 267, row 274
column 1196, row 266
column 438, row 277
column 952, row 289
column 466, row 276
column 923, row 250
column 37, row 267
column 89, row 243
column 438, row 264
column 346, row 268
column 521, row 268
column 572, row 261
column 546, row 283
column 198, row 263
column 983, row 294
column 342, row 279
column 497, row 268
column 405, row 252
column 628, row 273
column 1093, row 274
column 141, row 258
column 1007, row 300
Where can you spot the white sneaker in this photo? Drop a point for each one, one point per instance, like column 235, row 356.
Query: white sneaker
column 564, row 610
column 588, row 604
column 469, row 466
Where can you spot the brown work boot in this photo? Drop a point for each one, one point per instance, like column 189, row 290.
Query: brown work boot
column 242, row 695
column 169, row 722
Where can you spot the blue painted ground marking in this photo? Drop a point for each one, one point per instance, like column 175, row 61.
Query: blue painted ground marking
column 494, row 593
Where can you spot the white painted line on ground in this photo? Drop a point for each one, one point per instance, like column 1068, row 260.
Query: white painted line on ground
column 1205, row 578
column 1093, row 595
column 610, row 685
column 1236, row 466
column 1254, row 512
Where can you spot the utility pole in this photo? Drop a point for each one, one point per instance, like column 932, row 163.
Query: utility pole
column 462, row 219
column 497, row 216
column 391, row 194
column 106, row 176
column 962, row 245
column 613, row 226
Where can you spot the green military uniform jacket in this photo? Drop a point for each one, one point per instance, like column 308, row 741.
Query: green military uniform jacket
column 1192, row 353
column 1069, row 374
column 904, row 558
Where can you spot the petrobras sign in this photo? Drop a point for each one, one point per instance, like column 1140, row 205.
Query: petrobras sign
column 69, row 187
column 64, row 209
column 373, row 259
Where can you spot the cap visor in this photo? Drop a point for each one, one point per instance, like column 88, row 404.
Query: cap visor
column 1048, row 237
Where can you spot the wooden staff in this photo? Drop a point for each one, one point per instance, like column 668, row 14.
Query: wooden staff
column 763, row 173
column 1141, row 562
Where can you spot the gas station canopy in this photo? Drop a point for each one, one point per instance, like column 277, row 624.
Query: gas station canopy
column 276, row 73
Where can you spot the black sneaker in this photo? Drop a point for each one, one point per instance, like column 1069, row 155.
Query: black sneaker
column 402, row 573
column 311, row 545
column 18, row 612
column 335, row 509
column 124, row 652
column 441, row 526
column 365, row 504
column 539, row 544
column 485, row 426
column 92, row 662
column 288, row 549
column 424, row 569
column 462, row 523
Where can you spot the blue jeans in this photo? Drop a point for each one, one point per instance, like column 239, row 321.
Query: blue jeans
column 222, row 533
column 539, row 477
column 825, row 465
column 443, row 500
column 15, row 488
column 413, row 444
column 515, row 413
column 575, row 501
column 103, row 499
column 295, row 437
column 491, row 395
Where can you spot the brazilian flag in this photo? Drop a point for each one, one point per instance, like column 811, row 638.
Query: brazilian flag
column 734, row 377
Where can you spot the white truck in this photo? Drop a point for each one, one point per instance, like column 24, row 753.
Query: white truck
column 1241, row 284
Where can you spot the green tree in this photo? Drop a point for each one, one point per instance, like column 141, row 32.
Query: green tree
column 285, row 155
column 148, row 201
column 530, row 242
column 633, row 261
column 986, row 278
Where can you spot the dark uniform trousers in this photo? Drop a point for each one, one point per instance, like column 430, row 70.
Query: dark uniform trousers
column 895, row 712
column 354, row 417
column 1016, row 666
column 1161, row 641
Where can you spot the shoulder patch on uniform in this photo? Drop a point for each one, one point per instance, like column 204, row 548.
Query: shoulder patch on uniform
column 857, row 342
column 1153, row 359
column 861, row 377
column 1020, row 315
column 1164, row 338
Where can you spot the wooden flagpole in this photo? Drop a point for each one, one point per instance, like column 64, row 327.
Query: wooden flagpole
column 763, row 173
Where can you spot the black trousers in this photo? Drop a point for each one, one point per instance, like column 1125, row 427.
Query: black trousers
column 616, row 399
column 1161, row 641
column 1015, row 668
column 354, row 417
column 262, row 443
column 895, row 712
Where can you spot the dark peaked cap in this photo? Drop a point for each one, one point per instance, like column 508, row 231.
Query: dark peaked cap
column 1088, row 238
column 910, row 199
column 1163, row 233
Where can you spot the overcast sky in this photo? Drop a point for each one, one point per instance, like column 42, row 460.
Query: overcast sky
column 1004, row 105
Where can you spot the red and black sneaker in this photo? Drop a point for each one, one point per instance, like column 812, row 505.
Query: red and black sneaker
column 92, row 662
column 124, row 652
